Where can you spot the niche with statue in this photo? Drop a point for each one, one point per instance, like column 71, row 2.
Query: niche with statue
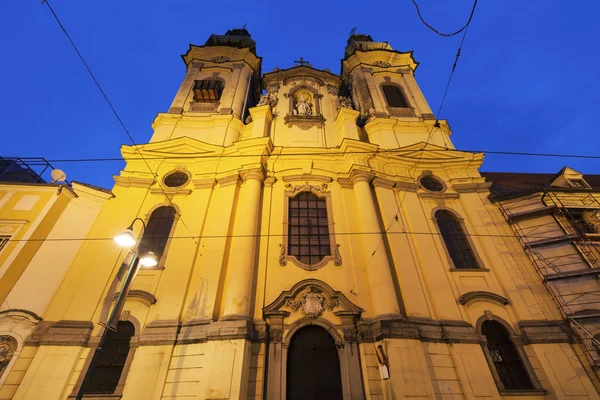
column 305, row 108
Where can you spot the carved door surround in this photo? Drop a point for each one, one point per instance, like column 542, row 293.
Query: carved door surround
column 315, row 300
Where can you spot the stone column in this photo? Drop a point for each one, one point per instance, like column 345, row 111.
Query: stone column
column 240, row 269
column 276, row 360
column 378, row 272
column 241, row 75
column 185, row 88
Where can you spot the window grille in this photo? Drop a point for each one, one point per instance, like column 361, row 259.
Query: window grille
column 308, row 231
column 455, row 240
column 111, row 360
column 4, row 241
column 506, row 359
column 394, row 96
column 157, row 231
column 208, row 91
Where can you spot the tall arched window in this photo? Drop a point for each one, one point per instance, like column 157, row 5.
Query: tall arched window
column 111, row 360
column 394, row 96
column 308, row 230
column 455, row 240
column 506, row 358
column 157, row 231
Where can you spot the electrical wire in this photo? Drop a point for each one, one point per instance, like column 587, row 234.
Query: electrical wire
column 441, row 33
column 260, row 235
column 329, row 153
column 87, row 67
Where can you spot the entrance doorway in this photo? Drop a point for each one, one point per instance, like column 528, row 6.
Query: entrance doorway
column 313, row 366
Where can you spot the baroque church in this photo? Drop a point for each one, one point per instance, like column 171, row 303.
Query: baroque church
column 313, row 235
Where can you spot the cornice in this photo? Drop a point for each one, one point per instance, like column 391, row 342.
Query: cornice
column 204, row 183
column 255, row 174
column 307, row 178
column 133, row 181
column 383, row 183
column 228, row 180
column 479, row 187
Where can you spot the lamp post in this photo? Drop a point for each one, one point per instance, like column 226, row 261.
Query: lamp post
column 125, row 239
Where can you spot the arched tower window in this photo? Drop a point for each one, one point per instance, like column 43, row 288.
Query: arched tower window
column 8, row 346
column 394, row 96
column 157, row 231
column 455, row 240
column 308, row 229
column 505, row 357
column 111, row 360
column 208, row 90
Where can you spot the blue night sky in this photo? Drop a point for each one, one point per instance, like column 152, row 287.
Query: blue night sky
column 526, row 79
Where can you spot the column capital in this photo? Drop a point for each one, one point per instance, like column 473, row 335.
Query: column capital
column 360, row 176
column 256, row 174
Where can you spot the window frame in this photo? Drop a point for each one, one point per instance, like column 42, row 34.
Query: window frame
column 584, row 184
column 4, row 240
column 163, row 258
column 202, row 101
column 285, row 256
column 517, row 342
column 464, row 230
column 398, row 112
column 93, row 344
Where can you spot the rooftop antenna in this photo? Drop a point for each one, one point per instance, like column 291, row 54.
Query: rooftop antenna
column 353, row 31
column 244, row 27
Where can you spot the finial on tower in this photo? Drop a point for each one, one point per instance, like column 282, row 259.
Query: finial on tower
column 302, row 62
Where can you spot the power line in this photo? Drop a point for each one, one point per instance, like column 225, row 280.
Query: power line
column 441, row 33
column 329, row 153
column 113, row 109
column 261, row 235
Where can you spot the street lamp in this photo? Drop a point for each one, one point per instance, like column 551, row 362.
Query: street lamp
column 125, row 239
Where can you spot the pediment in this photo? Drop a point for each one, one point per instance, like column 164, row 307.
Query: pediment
column 432, row 152
column 179, row 146
column 565, row 175
column 311, row 297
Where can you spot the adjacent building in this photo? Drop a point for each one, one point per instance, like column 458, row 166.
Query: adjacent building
column 318, row 237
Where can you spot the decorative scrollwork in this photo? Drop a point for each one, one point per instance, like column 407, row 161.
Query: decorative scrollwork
column 275, row 335
column 220, row 59
column 382, row 64
column 313, row 303
column 323, row 188
column 282, row 255
column 344, row 102
column 337, row 260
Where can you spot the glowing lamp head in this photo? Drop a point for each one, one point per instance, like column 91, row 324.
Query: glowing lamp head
column 126, row 238
column 149, row 260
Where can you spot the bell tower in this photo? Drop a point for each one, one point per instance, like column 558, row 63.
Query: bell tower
column 222, row 81
column 383, row 88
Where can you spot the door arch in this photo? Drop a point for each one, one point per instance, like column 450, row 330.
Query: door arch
column 313, row 366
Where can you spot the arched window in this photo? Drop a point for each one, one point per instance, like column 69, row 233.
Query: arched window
column 208, row 90
column 308, row 230
column 455, row 240
column 506, row 358
column 8, row 346
column 157, row 231
column 394, row 96
column 110, row 360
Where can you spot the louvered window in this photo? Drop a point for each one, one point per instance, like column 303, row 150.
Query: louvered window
column 394, row 96
column 208, row 90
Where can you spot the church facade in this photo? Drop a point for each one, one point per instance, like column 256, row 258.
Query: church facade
column 317, row 236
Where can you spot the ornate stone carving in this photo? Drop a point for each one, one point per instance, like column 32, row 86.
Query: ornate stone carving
column 220, row 59
column 331, row 89
column 323, row 188
column 282, row 255
column 349, row 335
column 275, row 335
column 337, row 260
column 382, row 64
column 344, row 102
column 269, row 98
column 313, row 303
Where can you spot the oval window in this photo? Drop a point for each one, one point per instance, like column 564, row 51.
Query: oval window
column 431, row 184
column 176, row 179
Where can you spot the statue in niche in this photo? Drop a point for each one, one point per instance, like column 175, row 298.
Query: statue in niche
column 302, row 103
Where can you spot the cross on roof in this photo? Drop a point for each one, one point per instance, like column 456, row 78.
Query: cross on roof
column 301, row 61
